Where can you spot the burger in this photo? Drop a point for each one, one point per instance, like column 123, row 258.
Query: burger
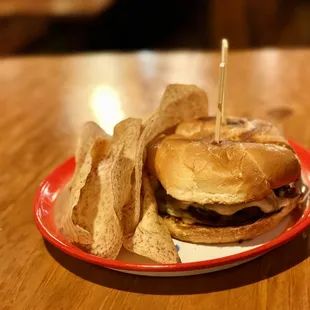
column 223, row 192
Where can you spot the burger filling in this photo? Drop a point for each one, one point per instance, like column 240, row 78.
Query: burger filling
column 218, row 215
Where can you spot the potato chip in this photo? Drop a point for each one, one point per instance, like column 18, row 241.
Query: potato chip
column 152, row 238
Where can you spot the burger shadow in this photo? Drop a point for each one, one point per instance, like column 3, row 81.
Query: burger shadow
column 271, row 264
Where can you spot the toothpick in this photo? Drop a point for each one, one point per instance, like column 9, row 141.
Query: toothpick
column 224, row 57
column 220, row 103
column 220, row 115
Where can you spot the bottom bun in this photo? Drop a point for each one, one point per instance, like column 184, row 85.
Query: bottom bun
column 205, row 235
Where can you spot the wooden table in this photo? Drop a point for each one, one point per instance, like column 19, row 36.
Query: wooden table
column 43, row 101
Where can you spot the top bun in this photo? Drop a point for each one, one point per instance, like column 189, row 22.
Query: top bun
column 194, row 169
column 236, row 129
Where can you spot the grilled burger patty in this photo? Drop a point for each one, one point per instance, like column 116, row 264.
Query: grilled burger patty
column 245, row 214
column 214, row 219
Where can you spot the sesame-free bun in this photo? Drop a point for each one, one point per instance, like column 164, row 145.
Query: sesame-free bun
column 236, row 129
column 194, row 169
column 205, row 235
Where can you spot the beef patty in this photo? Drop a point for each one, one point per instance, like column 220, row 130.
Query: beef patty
column 211, row 218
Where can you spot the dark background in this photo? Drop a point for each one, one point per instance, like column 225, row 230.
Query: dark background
column 140, row 24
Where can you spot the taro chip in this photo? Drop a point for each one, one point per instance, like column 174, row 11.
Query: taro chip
column 179, row 103
column 152, row 238
column 100, row 189
column 115, row 175
column 93, row 146
column 89, row 133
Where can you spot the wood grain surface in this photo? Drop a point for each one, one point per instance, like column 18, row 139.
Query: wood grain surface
column 43, row 101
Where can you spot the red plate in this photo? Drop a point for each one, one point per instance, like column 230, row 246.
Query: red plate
column 225, row 257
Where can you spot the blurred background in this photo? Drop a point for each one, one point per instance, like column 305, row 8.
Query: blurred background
column 69, row 26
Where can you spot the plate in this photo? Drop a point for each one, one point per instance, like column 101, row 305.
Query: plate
column 196, row 259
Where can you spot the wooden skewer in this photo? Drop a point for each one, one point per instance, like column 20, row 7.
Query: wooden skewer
column 224, row 59
column 219, row 103
column 220, row 114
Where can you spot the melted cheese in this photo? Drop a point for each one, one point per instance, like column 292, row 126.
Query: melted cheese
column 268, row 205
